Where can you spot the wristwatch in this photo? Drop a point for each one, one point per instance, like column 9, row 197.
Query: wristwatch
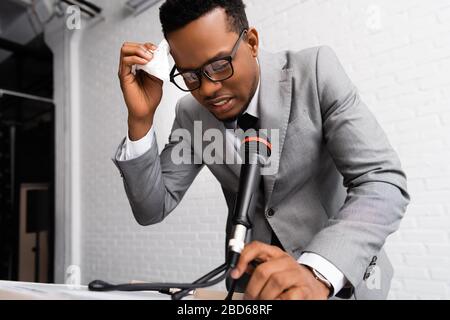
column 322, row 279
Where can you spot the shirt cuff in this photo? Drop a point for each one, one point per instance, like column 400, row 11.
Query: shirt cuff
column 134, row 149
column 325, row 268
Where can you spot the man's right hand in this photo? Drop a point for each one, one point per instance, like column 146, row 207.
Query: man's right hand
column 142, row 92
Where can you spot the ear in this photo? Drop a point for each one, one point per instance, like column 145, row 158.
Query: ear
column 253, row 41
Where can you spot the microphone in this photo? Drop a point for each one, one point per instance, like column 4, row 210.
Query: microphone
column 255, row 151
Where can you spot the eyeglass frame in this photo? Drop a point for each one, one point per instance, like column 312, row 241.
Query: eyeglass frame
column 200, row 72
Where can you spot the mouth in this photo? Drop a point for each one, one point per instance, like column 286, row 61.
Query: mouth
column 222, row 105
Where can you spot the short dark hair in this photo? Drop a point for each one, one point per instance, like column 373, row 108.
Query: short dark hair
column 175, row 14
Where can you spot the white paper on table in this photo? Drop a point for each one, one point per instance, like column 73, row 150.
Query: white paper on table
column 44, row 291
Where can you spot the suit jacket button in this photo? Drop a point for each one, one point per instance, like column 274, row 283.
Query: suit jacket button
column 270, row 213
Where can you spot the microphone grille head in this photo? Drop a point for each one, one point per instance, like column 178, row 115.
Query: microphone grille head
column 256, row 143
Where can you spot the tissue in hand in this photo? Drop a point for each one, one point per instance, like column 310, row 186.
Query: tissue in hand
column 159, row 66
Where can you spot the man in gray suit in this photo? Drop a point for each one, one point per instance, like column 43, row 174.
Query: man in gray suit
column 337, row 190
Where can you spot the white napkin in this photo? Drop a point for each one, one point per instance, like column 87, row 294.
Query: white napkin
column 159, row 66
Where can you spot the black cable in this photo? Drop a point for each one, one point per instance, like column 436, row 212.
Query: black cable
column 99, row 285
column 233, row 258
column 185, row 292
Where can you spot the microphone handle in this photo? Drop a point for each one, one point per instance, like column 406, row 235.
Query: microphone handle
column 249, row 180
column 246, row 199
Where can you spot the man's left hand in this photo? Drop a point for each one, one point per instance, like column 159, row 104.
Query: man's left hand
column 278, row 276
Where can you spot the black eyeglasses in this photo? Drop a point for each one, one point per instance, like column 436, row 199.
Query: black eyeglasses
column 216, row 70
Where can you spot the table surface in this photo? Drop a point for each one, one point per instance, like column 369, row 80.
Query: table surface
column 12, row 290
column 44, row 291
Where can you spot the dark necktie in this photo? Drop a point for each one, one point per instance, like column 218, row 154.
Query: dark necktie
column 247, row 121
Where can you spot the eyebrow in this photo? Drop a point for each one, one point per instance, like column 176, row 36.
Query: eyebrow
column 221, row 54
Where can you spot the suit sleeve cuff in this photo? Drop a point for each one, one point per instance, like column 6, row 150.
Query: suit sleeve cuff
column 134, row 149
column 326, row 268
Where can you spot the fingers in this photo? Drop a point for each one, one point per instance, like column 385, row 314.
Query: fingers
column 140, row 51
column 252, row 251
column 251, row 267
column 146, row 46
column 150, row 46
column 294, row 293
column 280, row 282
column 271, row 278
column 134, row 53
column 130, row 61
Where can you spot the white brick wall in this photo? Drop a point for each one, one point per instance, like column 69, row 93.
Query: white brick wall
column 396, row 52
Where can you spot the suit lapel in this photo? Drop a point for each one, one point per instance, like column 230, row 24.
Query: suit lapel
column 274, row 108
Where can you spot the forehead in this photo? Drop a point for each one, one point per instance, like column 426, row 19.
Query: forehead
column 202, row 40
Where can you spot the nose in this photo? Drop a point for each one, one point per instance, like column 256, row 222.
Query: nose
column 209, row 88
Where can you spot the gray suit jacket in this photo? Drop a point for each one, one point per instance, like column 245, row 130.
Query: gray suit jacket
column 338, row 188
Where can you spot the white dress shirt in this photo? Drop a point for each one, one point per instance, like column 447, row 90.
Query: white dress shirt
column 135, row 149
